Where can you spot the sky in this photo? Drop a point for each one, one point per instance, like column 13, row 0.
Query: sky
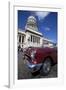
column 46, row 22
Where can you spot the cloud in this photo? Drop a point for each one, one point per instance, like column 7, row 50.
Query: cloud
column 41, row 15
column 47, row 29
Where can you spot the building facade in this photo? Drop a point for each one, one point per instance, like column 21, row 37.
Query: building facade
column 31, row 37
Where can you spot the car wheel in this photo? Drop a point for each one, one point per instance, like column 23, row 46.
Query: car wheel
column 46, row 67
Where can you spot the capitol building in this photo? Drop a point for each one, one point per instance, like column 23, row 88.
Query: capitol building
column 31, row 37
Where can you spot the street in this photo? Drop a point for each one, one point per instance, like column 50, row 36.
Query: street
column 24, row 73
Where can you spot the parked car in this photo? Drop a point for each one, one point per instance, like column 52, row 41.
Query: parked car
column 40, row 59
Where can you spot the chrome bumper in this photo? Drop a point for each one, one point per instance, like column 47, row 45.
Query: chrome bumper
column 33, row 67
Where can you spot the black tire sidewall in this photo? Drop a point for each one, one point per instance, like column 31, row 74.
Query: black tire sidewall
column 42, row 70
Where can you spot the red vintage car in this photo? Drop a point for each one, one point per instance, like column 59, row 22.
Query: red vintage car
column 39, row 58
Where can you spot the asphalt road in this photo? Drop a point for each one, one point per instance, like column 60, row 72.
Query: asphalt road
column 24, row 73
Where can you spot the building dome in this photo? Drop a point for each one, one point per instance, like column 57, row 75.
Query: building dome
column 31, row 20
column 31, row 17
column 31, row 23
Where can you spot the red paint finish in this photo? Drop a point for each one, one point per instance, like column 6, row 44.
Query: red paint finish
column 41, row 54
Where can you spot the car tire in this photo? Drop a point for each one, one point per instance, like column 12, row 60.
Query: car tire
column 46, row 67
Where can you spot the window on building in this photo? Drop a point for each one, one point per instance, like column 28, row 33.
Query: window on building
column 19, row 38
column 38, row 40
column 35, row 39
column 22, row 39
column 31, row 38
